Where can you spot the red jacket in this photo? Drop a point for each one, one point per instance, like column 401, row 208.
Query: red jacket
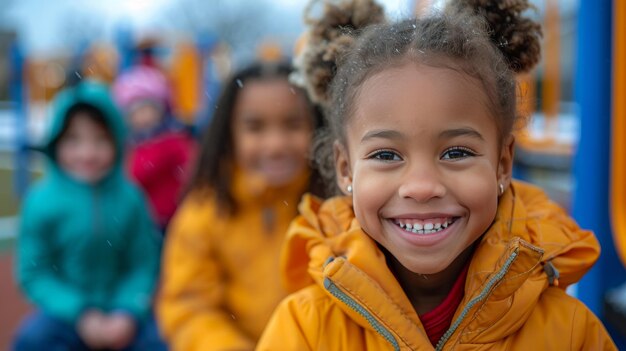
column 161, row 166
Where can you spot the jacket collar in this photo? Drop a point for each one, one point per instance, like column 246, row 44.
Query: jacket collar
column 249, row 189
column 489, row 292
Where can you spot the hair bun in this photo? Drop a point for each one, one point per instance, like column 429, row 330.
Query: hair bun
column 330, row 36
column 516, row 36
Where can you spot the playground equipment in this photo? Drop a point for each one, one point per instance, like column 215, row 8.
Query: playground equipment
column 599, row 36
column 616, row 302
column 17, row 93
column 618, row 146
column 196, row 70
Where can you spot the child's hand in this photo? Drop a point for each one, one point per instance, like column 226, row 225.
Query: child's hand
column 120, row 330
column 90, row 329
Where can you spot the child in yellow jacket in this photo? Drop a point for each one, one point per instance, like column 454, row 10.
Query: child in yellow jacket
column 220, row 276
column 432, row 245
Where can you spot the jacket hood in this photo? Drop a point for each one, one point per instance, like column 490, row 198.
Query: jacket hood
column 90, row 93
column 511, row 267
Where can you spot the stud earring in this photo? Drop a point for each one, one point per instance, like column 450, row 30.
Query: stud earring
column 501, row 189
column 349, row 189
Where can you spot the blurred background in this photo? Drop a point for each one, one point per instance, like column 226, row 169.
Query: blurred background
column 567, row 146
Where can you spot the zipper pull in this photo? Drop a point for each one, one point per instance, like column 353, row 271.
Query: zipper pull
column 552, row 272
column 269, row 219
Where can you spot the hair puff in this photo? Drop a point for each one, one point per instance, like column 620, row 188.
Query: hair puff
column 517, row 37
column 330, row 36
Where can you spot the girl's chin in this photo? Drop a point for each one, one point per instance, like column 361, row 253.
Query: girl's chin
column 279, row 181
column 279, row 178
column 87, row 177
column 425, row 269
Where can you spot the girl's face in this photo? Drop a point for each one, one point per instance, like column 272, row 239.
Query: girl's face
column 86, row 150
column 272, row 130
column 423, row 157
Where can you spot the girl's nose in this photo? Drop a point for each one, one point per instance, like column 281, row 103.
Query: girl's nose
column 422, row 183
column 276, row 141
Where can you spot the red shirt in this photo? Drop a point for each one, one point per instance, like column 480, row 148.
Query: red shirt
column 161, row 166
column 437, row 321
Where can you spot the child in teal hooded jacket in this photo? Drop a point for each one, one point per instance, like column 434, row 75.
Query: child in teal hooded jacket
column 87, row 253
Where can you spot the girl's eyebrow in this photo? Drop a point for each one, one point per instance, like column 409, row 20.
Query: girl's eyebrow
column 382, row 133
column 250, row 117
column 465, row 131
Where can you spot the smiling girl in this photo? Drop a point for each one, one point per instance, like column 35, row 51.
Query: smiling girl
column 431, row 244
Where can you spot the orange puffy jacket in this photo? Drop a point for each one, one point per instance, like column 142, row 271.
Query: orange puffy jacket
column 220, row 277
column 350, row 300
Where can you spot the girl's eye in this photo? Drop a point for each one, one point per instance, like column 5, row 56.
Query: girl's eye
column 456, row 153
column 296, row 123
column 386, row 156
column 253, row 126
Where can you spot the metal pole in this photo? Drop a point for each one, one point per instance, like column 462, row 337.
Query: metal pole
column 17, row 91
column 592, row 160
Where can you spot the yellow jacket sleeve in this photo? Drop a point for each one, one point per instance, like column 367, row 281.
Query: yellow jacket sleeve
column 189, row 307
column 593, row 335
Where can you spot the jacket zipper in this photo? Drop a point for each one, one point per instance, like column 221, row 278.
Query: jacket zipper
column 343, row 297
column 483, row 294
column 95, row 224
column 94, row 210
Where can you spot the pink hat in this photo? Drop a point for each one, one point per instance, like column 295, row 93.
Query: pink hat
column 141, row 83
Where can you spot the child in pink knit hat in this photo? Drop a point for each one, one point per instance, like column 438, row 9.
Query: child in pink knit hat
column 160, row 150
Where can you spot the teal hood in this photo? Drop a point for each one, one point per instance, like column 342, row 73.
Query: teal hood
column 94, row 94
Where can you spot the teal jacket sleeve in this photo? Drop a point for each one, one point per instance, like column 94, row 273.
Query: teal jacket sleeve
column 136, row 287
column 36, row 266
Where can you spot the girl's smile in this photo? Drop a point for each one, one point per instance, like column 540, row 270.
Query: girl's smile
column 425, row 229
column 428, row 233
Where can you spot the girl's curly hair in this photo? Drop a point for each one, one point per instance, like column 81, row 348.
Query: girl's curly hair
column 488, row 40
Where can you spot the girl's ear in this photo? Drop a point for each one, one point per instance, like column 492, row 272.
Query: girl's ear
column 342, row 167
column 505, row 166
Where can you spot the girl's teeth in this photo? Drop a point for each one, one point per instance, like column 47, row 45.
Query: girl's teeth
column 427, row 228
